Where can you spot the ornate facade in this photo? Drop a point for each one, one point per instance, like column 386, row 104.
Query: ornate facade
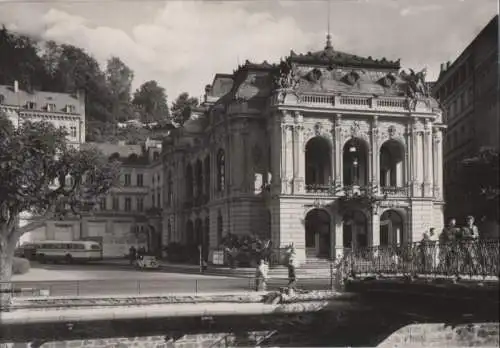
column 326, row 150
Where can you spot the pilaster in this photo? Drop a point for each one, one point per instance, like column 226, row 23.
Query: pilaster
column 438, row 164
column 427, row 159
column 299, row 155
column 375, row 155
column 337, row 153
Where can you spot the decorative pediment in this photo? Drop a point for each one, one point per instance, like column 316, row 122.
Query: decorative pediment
column 351, row 78
column 387, row 81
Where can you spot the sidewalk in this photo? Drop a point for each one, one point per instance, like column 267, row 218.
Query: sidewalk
column 277, row 272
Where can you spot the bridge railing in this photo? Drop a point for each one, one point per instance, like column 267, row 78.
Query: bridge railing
column 459, row 259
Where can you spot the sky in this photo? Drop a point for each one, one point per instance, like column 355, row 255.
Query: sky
column 183, row 44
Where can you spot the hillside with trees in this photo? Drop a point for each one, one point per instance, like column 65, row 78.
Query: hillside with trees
column 50, row 66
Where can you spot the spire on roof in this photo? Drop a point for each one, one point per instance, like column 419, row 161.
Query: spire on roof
column 328, row 36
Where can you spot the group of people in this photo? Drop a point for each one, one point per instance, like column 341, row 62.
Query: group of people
column 453, row 248
column 262, row 271
column 134, row 253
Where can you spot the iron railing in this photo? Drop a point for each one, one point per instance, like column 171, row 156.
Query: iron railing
column 460, row 259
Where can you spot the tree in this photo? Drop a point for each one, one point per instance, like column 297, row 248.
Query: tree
column 182, row 107
column 41, row 174
column 119, row 81
column 19, row 61
column 480, row 182
column 152, row 100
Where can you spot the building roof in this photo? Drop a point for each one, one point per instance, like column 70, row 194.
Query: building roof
column 40, row 98
column 109, row 149
column 331, row 57
column 447, row 70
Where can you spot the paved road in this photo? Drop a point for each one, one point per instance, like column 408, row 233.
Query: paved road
column 86, row 280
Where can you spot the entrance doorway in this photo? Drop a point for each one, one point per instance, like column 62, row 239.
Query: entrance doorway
column 391, row 228
column 355, row 230
column 318, row 239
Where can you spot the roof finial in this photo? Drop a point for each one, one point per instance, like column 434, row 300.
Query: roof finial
column 328, row 36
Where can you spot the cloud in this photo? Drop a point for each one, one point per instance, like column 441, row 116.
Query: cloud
column 416, row 10
column 183, row 45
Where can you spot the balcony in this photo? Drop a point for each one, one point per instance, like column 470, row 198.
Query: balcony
column 322, row 189
column 393, row 191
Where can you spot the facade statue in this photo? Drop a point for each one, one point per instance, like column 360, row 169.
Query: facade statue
column 286, row 78
column 416, row 87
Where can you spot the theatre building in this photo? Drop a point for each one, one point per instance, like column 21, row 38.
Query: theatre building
column 325, row 150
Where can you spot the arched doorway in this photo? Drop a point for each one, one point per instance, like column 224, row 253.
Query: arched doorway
column 355, row 162
column 392, row 164
column 391, row 228
column 355, row 230
column 317, row 233
column 318, row 163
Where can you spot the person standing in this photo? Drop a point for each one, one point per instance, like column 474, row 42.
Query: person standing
column 292, row 268
column 261, row 276
column 468, row 245
column 447, row 246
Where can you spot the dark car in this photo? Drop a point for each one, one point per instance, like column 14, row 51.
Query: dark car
column 27, row 251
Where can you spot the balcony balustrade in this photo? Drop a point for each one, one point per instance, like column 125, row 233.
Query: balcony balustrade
column 393, row 191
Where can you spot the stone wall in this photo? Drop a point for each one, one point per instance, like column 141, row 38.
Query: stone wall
column 441, row 335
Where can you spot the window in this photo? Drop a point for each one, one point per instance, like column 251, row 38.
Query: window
column 219, row 228
column 95, row 247
column 72, row 131
column 170, row 187
column 140, row 204
column 51, row 107
column 116, row 203
column 153, row 202
column 70, row 108
column 158, row 199
column 127, row 179
column 128, row 204
column 140, row 180
column 31, row 105
column 153, row 179
column 221, row 171
column 169, row 231
column 2, row 98
column 102, row 204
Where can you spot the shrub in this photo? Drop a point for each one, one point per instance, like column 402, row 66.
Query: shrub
column 20, row 266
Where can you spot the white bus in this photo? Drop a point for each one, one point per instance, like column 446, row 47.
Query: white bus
column 67, row 251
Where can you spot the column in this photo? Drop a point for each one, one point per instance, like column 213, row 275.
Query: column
column 339, row 236
column 375, row 228
column 337, row 154
column 276, row 150
column 414, row 157
column 438, row 163
column 299, row 155
column 375, row 171
column 284, row 143
column 427, row 158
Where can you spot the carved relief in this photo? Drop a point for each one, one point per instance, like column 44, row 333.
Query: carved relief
column 355, row 129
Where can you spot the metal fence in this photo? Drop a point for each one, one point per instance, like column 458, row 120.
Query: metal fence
column 460, row 259
column 154, row 287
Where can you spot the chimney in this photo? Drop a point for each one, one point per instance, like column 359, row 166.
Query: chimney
column 448, row 63
column 16, row 86
column 442, row 67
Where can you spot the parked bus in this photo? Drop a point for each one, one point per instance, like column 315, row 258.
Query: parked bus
column 67, row 251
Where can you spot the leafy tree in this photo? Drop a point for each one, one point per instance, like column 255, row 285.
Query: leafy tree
column 19, row 60
column 119, row 81
column 480, row 182
column 182, row 107
column 152, row 100
column 40, row 173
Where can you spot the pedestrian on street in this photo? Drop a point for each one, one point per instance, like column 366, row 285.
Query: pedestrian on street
column 132, row 254
column 261, row 276
column 292, row 268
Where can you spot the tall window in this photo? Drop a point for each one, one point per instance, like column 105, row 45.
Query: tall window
column 219, row 228
column 116, row 203
column 158, row 199
column 72, row 131
column 128, row 204
column 207, row 175
column 140, row 204
column 170, row 192
column 102, row 203
column 140, row 180
column 127, row 179
column 169, row 231
column 221, row 170
column 153, row 200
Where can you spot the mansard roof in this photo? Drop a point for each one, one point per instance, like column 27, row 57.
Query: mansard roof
column 333, row 58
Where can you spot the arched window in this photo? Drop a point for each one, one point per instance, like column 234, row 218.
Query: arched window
column 207, row 176
column 170, row 188
column 221, row 170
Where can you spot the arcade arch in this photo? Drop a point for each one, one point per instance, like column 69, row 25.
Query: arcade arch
column 317, row 233
column 355, row 162
column 318, row 161
column 355, row 230
column 391, row 228
column 392, row 154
